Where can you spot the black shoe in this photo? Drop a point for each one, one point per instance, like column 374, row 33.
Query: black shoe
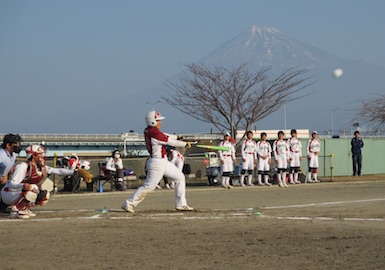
column 4, row 208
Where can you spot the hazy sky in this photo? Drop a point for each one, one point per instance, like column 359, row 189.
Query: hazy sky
column 55, row 55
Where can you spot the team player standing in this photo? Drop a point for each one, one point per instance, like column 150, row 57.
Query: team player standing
column 313, row 148
column 228, row 160
column 281, row 155
column 295, row 157
column 249, row 159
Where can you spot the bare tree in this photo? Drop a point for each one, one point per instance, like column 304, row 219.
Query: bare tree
column 233, row 99
column 372, row 112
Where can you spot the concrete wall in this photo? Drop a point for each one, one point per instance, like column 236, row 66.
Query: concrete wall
column 373, row 156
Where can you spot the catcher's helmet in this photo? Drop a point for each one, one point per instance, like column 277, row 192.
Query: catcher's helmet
column 34, row 149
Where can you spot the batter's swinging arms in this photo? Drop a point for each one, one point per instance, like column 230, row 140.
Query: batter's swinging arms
column 158, row 165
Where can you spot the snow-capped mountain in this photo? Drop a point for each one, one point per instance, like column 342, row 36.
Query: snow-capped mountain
column 329, row 99
column 268, row 47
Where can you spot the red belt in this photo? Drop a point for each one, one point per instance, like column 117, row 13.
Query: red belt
column 249, row 152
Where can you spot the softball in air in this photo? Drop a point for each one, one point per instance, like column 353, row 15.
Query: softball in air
column 337, row 73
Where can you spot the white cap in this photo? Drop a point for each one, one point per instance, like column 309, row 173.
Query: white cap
column 227, row 134
column 314, row 132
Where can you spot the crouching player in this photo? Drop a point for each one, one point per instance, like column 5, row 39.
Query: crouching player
column 24, row 189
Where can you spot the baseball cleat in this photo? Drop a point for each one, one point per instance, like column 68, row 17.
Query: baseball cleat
column 128, row 208
column 17, row 215
column 184, row 208
column 30, row 213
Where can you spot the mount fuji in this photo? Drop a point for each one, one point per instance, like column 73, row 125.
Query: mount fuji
column 328, row 100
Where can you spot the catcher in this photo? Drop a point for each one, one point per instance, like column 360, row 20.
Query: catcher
column 24, row 189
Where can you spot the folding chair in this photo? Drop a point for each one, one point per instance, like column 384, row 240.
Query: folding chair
column 105, row 177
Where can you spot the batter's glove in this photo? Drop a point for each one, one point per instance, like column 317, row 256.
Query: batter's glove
column 179, row 137
column 188, row 145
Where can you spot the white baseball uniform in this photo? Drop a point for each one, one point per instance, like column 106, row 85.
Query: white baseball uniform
column 158, row 166
column 263, row 150
column 227, row 156
column 295, row 152
column 313, row 147
column 249, row 154
column 12, row 193
column 177, row 158
column 281, row 153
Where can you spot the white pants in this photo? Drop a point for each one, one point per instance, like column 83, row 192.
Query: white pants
column 11, row 196
column 228, row 165
column 282, row 161
column 295, row 159
column 179, row 164
column 263, row 164
column 249, row 163
column 156, row 169
column 313, row 161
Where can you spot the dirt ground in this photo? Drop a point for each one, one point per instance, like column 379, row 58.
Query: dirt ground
column 330, row 225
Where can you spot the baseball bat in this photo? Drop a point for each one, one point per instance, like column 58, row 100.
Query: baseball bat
column 213, row 147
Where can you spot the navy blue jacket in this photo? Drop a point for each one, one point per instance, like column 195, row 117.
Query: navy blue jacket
column 357, row 144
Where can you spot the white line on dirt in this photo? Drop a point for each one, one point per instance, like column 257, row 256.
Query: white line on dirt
column 317, row 204
column 324, row 218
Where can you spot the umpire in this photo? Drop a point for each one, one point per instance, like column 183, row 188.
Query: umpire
column 357, row 144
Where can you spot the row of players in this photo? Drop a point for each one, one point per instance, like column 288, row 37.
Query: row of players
column 25, row 188
column 259, row 154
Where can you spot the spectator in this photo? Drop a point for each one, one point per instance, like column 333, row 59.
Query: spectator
column 357, row 143
column 114, row 167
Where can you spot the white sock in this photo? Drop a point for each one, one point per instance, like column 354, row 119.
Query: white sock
column 266, row 178
column 259, row 179
column 250, row 179
column 241, row 179
column 291, row 177
column 295, row 177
